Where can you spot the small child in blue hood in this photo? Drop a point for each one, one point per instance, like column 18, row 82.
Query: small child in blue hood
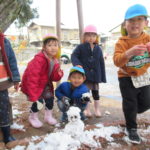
column 73, row 93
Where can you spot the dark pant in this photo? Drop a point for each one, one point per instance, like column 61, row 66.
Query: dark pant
column 95, row 94
column 135, row 100
column 49, row 103
column 5, row 109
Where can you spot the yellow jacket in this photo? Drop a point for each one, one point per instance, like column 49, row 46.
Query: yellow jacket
column 135, row 66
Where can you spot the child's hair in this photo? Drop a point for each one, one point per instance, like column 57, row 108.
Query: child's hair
column 49, row 40
column 52, row 37
column 76, row 72
column 76, row 69
column 49, row 37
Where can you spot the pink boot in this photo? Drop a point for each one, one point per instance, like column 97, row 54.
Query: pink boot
column 49, row 118
column 34, row 120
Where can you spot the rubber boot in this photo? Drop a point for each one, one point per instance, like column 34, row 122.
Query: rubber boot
column 49, row 117
column 34, row 120
column 97, row 108
column 87, row 111
column 6, row 135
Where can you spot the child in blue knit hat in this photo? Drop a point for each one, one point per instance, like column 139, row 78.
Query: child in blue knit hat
column 73, row 93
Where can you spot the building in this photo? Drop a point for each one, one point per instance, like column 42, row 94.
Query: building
column 36, row 33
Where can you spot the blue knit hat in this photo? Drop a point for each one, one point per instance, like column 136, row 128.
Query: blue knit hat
column 75, row 68
column 135, row 10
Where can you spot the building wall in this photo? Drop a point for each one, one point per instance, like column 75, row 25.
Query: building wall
column 36, row 33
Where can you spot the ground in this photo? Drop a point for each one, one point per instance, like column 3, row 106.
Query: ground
column 111, row 115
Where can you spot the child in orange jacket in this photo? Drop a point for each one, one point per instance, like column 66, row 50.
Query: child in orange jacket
column 133, row 59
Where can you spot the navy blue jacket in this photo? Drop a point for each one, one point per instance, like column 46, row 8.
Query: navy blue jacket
column 10, row 61
column 64, row 89
column 91, row 61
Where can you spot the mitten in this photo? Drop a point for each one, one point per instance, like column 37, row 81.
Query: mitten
column 85, row 98
column 66, row 102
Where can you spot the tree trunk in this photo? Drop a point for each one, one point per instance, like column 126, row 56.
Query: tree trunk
column 9, row 10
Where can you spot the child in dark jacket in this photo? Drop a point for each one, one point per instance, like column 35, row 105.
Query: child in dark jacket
column 9, row 76
column 73, row 93
column 37, row 80
column 88, row 56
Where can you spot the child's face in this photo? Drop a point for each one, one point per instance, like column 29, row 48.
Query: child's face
column 135, row 26
column 51, row 48
column 90, row 37
column 76, row 79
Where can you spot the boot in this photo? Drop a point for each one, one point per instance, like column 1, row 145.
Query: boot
column 6, row 135
column 49, row 117
column 97, row 108
column 34, row 120
column 88, row 111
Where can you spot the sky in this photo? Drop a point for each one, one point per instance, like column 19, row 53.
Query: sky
column 104, row 14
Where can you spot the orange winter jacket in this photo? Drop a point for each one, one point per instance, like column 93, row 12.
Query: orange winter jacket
column 135, row 66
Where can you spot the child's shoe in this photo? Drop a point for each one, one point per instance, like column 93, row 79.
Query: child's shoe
column 6, row 135
column 34, row 120
column 9, row 139
column 133, row 136
column 49, row 118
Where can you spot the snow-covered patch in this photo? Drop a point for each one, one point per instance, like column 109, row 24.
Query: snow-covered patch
column 106, row 113
column 17, row 127
column 61, row 140
column 14, row 94
column 16, row 113
column 34, row 138
column 19, row 148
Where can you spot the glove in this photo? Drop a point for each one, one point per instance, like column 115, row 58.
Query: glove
column 85, row 98
column 66, row 101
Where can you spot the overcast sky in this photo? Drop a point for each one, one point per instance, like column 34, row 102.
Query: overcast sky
column 105, row 14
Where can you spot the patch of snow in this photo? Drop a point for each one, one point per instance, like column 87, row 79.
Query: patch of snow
column 16, row 113
column 106, row 113
column 18, row 148
column 14, row 94
column 62, row 141
column 18, row 127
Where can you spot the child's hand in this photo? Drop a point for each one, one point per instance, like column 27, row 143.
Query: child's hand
column 137, row 50
column 16, row 86
column 148, row 46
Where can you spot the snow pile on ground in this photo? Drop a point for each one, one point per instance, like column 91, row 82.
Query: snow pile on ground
column 17, row 126
column 63, row 141
column 16, row 113
column 13, row 94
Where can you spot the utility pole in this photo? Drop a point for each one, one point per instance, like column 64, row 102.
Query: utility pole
column 80, row 18
column 58, row 25
column 58, row 19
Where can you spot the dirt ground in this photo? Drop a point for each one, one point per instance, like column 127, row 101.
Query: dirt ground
column 111, row 115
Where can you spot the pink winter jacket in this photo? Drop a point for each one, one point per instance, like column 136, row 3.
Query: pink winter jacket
column 36, row 76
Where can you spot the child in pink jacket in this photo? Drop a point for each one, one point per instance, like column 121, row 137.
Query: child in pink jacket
column 37, row 81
